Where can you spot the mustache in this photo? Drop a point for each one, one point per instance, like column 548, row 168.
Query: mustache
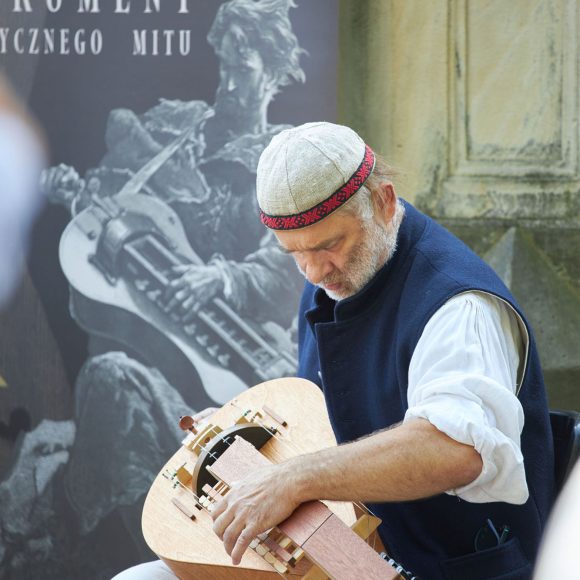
column 330, row 280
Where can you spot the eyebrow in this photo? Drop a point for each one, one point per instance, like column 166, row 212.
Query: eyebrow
column 320, row 246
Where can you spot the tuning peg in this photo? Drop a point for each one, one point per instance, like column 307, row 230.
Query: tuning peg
column 186, row 423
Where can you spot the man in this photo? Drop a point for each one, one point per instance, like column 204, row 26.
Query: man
column 210, row 180
column 210, row 184
column 427, row 366
column 245, row 272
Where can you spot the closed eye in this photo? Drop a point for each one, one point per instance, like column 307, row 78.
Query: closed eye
column 328, row 246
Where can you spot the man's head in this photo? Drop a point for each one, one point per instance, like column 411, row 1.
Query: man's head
column 258, row 53
column 331, row 203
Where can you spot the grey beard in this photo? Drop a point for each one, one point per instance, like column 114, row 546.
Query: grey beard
column 368, row 257
column 376, row 249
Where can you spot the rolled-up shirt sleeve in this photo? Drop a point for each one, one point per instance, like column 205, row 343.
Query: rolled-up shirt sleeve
column 463, row 379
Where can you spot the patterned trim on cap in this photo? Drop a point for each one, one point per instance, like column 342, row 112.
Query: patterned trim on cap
column 326, row 207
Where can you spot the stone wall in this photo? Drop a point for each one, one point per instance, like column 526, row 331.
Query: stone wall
column 476, row 103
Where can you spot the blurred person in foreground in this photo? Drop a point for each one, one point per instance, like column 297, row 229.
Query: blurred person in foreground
column 21, row 161
column 559, row 556
column 22, row 156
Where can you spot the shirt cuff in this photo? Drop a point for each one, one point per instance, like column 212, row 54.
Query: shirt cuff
column 502, row 477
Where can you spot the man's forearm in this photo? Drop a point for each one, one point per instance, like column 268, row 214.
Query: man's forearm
column 411, row 461
column 408, row 462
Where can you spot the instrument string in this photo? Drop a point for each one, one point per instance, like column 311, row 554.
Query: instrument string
column 297, row 451
column 214, row 430
column 284, row 441
column 204, row 508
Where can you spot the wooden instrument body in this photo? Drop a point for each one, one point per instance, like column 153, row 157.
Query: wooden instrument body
column 191, row 548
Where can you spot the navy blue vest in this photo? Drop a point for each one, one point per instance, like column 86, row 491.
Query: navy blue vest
column 358, row 351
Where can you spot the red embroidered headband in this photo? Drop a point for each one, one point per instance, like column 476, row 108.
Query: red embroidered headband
column 300, row 164
column 330, row 204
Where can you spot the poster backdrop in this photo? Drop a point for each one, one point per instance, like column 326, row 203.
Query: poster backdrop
column 152, row 289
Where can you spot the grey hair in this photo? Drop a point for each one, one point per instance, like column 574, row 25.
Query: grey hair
column 362, row 204
column 267, row 29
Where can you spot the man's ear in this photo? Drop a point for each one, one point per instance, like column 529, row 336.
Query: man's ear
column 385, row 201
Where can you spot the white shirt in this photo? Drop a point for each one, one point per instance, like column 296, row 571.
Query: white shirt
column 464, row 377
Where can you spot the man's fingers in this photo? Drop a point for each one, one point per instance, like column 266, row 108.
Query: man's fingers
column 244, row 540
column 219, row 508
column 232, row 533
column 177, row 299
column 188, row 303
column 198, row 303
column 222, row 518
column 172, row 288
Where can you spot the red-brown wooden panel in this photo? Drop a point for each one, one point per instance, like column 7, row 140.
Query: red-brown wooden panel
column 343, row 555
column 305, row 520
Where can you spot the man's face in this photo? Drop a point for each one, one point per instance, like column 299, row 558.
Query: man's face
column 242, row 75
column 339, row 254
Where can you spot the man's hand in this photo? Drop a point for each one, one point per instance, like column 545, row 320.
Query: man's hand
column 61, row 184
column 252, row 507
column 189, row 292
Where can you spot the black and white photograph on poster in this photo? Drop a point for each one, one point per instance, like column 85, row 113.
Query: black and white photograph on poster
column 156, row 289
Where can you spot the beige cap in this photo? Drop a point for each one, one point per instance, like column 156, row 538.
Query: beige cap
column 308, row 172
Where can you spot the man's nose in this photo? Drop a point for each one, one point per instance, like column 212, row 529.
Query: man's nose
column 230, row 83
column 317, row 269
column 227, row 80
